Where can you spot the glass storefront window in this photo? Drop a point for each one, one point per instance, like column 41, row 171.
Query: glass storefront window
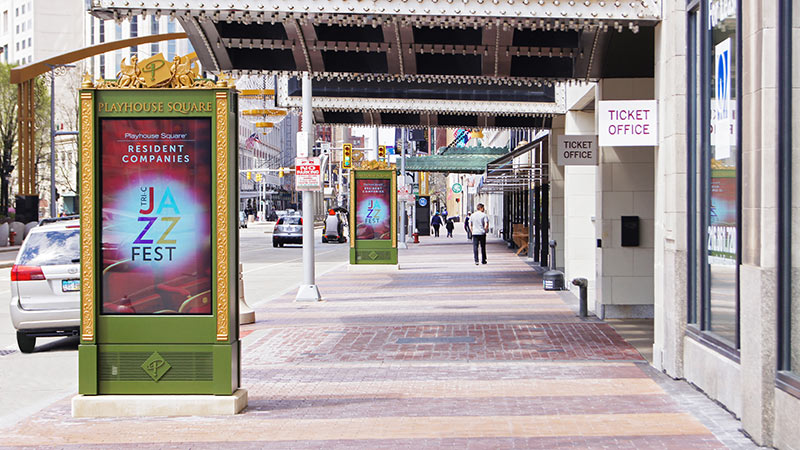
column 723, row 213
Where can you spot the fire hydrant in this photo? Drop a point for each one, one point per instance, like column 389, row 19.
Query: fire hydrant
column 416, row 237
column 11, row 237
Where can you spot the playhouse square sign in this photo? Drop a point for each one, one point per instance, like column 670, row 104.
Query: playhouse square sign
column 628, row 123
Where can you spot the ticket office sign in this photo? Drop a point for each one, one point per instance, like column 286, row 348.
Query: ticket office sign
column 628, row 123
column 156, row 216
column 577, row 150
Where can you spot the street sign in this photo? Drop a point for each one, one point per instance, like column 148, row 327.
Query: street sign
column 577, row 150
column 457, row 188
column 302, row 144
column 629, row 123
column 404, row 194
column 308, row 174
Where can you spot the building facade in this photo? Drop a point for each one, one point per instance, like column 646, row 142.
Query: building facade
column 717, row 261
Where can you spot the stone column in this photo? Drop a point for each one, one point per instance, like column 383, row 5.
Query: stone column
column 670, row 293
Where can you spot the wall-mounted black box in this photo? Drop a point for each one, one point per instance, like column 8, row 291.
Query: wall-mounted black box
column 630, row 231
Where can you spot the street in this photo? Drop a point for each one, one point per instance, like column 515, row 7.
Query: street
column 34, row 381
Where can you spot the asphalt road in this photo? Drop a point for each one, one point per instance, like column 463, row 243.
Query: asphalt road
column 31, row 382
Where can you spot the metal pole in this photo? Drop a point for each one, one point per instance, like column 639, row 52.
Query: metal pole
column 52, row 143
column 403, row 225
column 375, row 142
column 308, row 290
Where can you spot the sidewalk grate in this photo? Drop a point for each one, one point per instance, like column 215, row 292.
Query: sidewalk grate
column 438, row 340
column 7, row 352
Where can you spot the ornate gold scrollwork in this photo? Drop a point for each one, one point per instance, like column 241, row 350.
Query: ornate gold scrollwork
column 87, row 216
column 223, row 306
column 156, row 72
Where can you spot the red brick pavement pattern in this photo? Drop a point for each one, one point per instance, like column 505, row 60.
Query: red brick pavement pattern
column 492, row 342
column 308, row 365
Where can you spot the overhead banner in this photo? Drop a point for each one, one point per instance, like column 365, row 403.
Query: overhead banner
column 577, row 150
column 628, row 123
column 156, row 225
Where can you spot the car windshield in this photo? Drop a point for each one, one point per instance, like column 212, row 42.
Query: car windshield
column 51, row 248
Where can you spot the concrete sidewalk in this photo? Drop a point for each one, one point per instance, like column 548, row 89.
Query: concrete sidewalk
column 442, row 353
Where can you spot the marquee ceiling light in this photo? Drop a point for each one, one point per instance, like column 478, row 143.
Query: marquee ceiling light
column 646, row 10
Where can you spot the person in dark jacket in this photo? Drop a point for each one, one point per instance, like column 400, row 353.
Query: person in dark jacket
column 449, row 225
column 467, row 227
column 436, row 222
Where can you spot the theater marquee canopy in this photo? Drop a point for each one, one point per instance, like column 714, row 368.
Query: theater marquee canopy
column 488, row 63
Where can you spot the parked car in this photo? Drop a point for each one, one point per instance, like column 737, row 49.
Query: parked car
column 45, row 283
column 288, row 230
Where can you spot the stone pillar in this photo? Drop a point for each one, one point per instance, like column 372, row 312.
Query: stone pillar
column 556, row 179
column 580, row 191
column 757, row 274
column 670, row 233
column 626, row 180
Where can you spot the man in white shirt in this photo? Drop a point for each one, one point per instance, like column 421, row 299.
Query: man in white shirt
column 479, row 224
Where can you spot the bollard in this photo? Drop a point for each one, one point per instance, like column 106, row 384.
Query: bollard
column 583, row 283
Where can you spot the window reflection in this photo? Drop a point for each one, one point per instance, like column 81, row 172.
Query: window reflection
column 51, row 248
column 722, row 245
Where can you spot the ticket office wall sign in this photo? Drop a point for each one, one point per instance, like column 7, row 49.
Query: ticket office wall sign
column 160, row 312
column 373, row 217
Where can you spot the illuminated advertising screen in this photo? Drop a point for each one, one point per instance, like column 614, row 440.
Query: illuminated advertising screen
column 373, row 210
column 156, row 208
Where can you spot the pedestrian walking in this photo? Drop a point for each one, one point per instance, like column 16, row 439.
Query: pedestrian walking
column 436, row 222
column 479, row 224
column 450, row 225
column 467, row 227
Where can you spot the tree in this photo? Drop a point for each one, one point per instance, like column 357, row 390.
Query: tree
column 8, row 127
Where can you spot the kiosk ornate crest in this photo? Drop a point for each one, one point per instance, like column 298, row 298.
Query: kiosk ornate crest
column 156, row 72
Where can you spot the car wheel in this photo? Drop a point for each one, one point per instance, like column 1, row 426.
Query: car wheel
column 26, row 343
column 281, row 245
column 275, row 244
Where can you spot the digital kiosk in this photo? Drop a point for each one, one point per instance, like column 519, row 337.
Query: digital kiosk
column 158, row 207
column 373, row 216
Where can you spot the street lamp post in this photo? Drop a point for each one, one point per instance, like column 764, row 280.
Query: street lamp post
column 55, row 70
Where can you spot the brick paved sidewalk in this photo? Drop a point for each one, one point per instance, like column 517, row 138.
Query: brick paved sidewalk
column 442, row 353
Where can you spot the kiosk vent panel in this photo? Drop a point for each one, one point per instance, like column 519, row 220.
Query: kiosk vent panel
column 184, row 366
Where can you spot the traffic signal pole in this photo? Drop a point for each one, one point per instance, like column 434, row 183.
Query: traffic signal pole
column 308, row 292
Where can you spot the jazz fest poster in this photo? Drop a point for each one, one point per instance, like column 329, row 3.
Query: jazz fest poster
column 156, row 216
column 373, row 210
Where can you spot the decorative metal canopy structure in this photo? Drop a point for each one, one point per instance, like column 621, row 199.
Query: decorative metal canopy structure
column 488, row 63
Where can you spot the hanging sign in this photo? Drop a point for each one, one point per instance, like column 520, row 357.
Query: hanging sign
column 457, row 188
column 628, row 123
column 577, row 150
column 308, row 175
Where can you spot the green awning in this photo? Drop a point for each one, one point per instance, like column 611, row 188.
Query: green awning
column 449, row 163
column 496, row 151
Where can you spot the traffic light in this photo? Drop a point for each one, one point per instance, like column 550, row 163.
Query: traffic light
column 381, row 152
column 249, row 176
column 280, row 172
column 258, row 177
column 347, row 156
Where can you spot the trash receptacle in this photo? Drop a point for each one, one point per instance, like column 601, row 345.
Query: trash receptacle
column 553, row 280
